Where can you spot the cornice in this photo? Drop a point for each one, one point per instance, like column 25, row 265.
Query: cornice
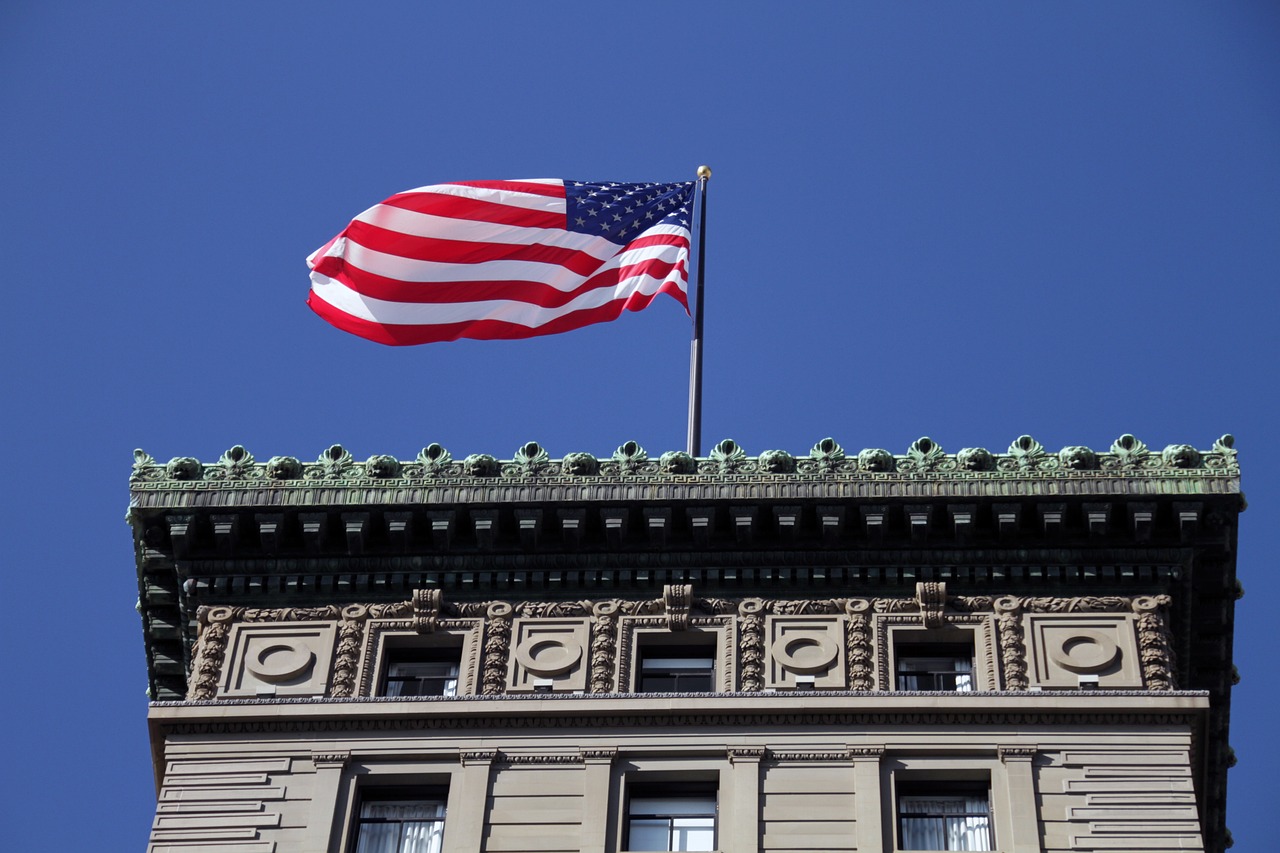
column 737, row 710
column 727, row 472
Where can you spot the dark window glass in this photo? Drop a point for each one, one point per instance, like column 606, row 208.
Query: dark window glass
column 671, row 817
column 421, row 672
column 934, row 666
column 676, row 669
column 944, row 817
column 394, row 825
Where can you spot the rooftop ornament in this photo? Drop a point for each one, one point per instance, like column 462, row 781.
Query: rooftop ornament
column 1026, row 457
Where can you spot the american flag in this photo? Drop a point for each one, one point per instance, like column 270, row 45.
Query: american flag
column 503, row 259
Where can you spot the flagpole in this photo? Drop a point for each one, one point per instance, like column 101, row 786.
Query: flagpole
column 695, row 348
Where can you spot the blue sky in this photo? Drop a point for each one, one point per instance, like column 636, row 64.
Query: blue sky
column 967, row 221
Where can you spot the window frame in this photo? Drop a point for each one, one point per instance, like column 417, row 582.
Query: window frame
column 668, row 651
column 963, row 680
column 942, row 790
column 691, row 791
column 371, row 794
column 397, row 655
column 388, row 640
column 640, row 632
column 975, row 630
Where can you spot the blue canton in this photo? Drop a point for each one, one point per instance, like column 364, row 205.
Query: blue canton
column 620, row 212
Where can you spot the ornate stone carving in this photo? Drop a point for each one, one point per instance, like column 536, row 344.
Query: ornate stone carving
column 678, row 600
column 283, row 468
column 728, row 456
column 144, row 465
column 931, row 596
column 744, row 753
column 1180, row 456
column 827, row 455
column 184, row 468
column 1025, row 458
column 751, row 645
column 858, row 644
column 477, row 756
column 580, row 465
column 1025, row 452
column 497, row 645
column 515, row 759
column 776, row 462
column 1015, row 753
column 235, row 464
column 925, row 454
column 381, row 467
column 480, row 465
column 426, row 609
column 604, row 646
column 435, row 460
column 975, row 459
column 630, row 457
column 330, row 760
column 876, row 459
column 535, row 609
column 1129, row 452
column 1078, row 458
column 1223, row 454
column 211, row 650
column 746, row 655
column 1013, row 646
column 530, row 459
column 677, row 462
column 350, row 643
column 808, row 756
column 333, row 463
column 1154, row 643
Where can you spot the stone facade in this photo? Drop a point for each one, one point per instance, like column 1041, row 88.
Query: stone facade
column 1084, row 598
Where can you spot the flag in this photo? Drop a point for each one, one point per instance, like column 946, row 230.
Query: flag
column 503, row 259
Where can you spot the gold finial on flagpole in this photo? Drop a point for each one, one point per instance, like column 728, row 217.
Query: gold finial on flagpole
column 704, row 172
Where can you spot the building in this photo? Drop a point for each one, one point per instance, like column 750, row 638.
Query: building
column 1023, row 651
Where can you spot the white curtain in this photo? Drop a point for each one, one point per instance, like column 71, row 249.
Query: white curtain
column 945, row 823
column 401, row 827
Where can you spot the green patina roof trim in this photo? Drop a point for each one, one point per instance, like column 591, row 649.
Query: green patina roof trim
column 1025, row 459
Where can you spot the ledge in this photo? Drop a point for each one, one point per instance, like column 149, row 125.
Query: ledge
column 925, row 470
column 806, row 703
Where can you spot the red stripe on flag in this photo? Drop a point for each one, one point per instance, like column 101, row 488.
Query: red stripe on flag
column 454, row 207
column 484, row 329
column 446, row 251
column 533, row 292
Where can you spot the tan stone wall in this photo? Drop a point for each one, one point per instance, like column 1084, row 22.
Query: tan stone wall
column 785, row 788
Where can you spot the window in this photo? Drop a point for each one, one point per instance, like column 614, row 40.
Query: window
column 676, row 669
column 934, row 666
column 421, row 672
column 944, row 816
column 671, row 817
column 392, row 822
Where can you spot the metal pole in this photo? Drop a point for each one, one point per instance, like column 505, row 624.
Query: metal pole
column 695, row 348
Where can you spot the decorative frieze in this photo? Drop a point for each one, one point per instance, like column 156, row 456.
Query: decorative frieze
column 1045, row 642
